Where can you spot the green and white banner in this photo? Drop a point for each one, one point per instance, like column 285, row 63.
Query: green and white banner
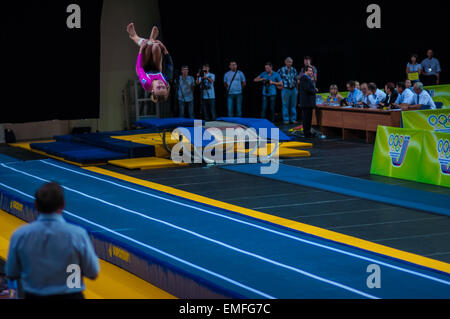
column 428, row 120
column 435, row 159
column 416, row 155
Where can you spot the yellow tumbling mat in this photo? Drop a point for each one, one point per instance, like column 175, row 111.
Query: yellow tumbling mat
column 296, row 145
column 153, row 139
column 146, row 163
column 112, row 283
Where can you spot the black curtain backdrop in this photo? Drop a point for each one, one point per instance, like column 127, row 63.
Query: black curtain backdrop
column 49, row 71
column 334, row 33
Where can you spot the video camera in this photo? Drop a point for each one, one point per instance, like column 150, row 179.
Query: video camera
column 204, row 83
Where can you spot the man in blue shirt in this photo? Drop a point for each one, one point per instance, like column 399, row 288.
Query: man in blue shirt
column 355, row 96
column 206, row 82
column 289, row 76
column 235, row 82
column 375, row 97
column 405, row 96
column 431, row 70
column 186, row 84
column 46, row 254
column 270, row 81
column 422, row 99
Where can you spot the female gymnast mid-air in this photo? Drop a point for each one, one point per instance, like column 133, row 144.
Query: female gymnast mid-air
column 150, row 67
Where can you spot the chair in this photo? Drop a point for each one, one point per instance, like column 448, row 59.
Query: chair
column 439, row 105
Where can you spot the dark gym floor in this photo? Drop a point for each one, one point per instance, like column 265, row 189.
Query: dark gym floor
column 405, row 229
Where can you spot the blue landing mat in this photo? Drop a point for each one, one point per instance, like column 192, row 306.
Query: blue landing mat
column 7, row 159
column 184, row 244
column 384, row 193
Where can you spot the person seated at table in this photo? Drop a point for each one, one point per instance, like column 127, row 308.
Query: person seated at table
column 405, row 97
column 374, row 97
column 409, row 85
column 422, row 98
column 355, row 96
column 364, row 102
column 334, row 99
column 391, row 95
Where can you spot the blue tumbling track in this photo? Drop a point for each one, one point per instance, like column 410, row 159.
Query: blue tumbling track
column 6, row 159
column 242, row 256
column 351, row 186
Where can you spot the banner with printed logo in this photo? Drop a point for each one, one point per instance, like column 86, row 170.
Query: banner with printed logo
column 435, row 159
column 416, row 155
column 428, row 120
column 397, row 153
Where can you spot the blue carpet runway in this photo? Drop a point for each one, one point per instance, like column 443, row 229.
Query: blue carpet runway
column 236, row 255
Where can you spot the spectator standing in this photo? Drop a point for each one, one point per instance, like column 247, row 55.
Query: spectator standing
column 41, row 253
column 235, row 82
column 431, row 70
column 307, row 99
column 271, row 80
column 206, row 80
column 307, row 61
column 413, row 69
column 289, row 76
column 186, row 85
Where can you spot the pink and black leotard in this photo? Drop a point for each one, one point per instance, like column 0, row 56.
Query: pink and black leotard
column 147, row 78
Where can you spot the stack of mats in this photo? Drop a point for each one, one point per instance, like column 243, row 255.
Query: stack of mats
column 94, row 148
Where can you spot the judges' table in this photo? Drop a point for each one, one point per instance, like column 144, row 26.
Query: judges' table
column 354, row 123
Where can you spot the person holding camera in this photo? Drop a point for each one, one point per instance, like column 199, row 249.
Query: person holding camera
column 270, row 80
column 206, row 80
column 235, row 82
column 186, row 85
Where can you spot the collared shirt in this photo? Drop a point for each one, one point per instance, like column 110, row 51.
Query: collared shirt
column 209, row 93
column 41, row 252
column 185, row 93
column 425, row 100
column 414, row 67
column 407, row 97
column 236, row 86
column 380, row 95
column 373, row 100
column 289, row 77
column 314, row 78
column 272, row 89
column 431, row 67
column 355, row 97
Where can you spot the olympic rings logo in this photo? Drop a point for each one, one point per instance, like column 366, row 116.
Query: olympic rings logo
column 396, row 142
column 439, row 122
column 444, row 149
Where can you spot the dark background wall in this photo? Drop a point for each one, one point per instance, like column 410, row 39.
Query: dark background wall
column 48, row 70
column 334, row 33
